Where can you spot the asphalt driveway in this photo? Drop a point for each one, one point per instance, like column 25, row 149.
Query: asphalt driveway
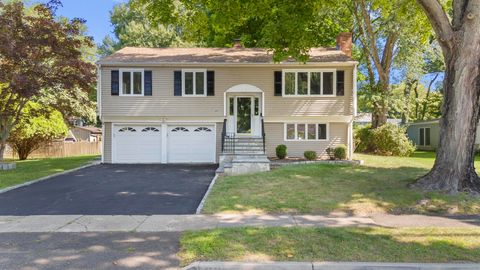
column 114, row 190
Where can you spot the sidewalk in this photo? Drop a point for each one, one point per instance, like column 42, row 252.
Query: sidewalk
column 169, row 223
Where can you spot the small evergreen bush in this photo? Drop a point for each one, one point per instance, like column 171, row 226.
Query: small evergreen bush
column 340, row 152
column 281, row 151
column 310, row 155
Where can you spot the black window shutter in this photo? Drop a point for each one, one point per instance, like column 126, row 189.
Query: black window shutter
column 115, row 83
column 210, row 83
column 340, row 83
column 177, row 83
column 278, row 83
column 147, row 80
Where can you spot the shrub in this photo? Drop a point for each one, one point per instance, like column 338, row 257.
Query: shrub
column 340, row 152
column 389, row 140
column 310, row 155
column 281, row 151
column 331, row 153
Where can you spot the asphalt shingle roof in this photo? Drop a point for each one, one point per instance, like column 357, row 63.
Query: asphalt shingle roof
column 213, row 55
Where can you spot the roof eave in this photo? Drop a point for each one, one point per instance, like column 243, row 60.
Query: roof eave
column 147, row 63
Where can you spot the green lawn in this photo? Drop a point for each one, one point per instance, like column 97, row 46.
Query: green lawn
column 332, row 244
column 32, row 169
column 378, row 186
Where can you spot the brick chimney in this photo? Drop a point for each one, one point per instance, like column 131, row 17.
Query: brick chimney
column 237, row 43
column 344, row 43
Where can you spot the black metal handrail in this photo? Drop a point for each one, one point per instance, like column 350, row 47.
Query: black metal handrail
column 263, row 133
column 224, row 133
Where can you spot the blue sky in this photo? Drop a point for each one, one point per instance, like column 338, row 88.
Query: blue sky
column 96, row 12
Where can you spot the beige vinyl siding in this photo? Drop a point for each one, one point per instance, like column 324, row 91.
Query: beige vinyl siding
column 275, row 136
column 164, row 103
column 107, row 143
column 218, row 145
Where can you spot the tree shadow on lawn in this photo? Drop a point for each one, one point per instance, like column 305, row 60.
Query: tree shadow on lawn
column 332, row 244
column 324, row 188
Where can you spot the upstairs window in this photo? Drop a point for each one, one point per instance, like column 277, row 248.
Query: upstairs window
column 131, row 82
column 309, row 82
column 194, row 82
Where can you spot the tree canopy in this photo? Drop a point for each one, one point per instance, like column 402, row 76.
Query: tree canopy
column 38, row 53
column 36, row 130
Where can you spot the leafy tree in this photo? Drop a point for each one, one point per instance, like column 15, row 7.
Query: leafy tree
column 288, row 28
column 37, row 52
column 386, row 30
column 36, row 130
column 459, row 38
column 131, row 29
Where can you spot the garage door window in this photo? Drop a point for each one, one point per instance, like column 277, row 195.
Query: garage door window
column 178, row 129
column 203, row 129
column 127, row 129
column 153, row 129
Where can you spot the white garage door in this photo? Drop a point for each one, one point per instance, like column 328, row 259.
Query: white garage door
column 137, row 144
column 191, row 144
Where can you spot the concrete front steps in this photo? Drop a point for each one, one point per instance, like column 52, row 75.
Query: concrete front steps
column 243, row 155
column 236, row 164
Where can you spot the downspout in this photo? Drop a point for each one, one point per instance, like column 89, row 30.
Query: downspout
column 354, row 110
column 99, row 106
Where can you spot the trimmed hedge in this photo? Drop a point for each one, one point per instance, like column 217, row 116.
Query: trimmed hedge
column 281, row 151
column 340, row 152
column 310, row 155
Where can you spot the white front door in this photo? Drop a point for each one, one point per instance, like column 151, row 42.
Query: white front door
column 191, row 143
column 137, row 144
column 244, row 116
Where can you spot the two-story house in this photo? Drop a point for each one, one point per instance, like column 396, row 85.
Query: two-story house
column 185, row 105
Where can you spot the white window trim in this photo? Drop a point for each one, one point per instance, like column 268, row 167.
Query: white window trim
column 306, row 132
column 194, row 83
column 309, row 71
column 424, row 136
column 120, row 79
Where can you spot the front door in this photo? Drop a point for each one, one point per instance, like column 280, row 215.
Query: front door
column 244, row 115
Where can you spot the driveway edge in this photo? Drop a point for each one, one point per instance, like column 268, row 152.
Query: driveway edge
column 93, row 163
column 215, row 265
column 202, row 202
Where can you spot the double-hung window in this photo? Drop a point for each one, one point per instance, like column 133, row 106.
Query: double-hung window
column 309, row 82
column 194, row 82
column 424, row 139
column 306, row 131
column 131, row 82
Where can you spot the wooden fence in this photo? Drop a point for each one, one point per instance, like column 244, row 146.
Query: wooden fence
column 62, row 149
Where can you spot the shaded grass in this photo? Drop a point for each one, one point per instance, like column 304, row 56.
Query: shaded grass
column 378, row 186
column 32, row 169
column 332, row 244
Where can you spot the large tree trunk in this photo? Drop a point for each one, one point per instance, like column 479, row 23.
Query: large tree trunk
column 3, row 147
column 454, row 169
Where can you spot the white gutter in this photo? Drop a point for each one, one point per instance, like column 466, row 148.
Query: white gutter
column 169, row 64
column 99, row 90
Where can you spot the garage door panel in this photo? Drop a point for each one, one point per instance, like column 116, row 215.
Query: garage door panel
column 138, row 144
column 191, row 144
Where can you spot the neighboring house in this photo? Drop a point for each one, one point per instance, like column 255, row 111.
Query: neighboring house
column 86, row 133
column 363, row 119
column 426, row 134
column 181, row 105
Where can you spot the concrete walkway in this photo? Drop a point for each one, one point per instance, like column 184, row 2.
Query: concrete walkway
column 168, row 223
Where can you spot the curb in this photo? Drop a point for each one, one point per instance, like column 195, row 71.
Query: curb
column 202, row 202
column 328, row 266
column 48, row 177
